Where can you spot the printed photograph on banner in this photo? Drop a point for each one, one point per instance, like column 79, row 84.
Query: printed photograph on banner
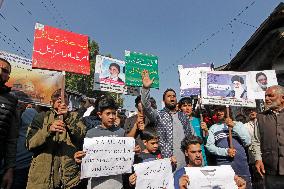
column 225, row 87
column 109, row 74
column 31, row 85
column 189, row 76
column 56, row 49
column 135, row 63
column 259, row 81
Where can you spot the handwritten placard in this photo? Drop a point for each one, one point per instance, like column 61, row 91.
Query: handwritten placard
column 225, row 88
column 211, row 177
column 154, row 174
column 136, row 63
column 56, row 49
column 31, row 85
column 189, row 76
column 107, row 156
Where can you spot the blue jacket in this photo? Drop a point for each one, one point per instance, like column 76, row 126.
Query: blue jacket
column 217, row 144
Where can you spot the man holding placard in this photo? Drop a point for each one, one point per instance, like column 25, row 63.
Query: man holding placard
column 53, row 165
column 171, row 125
column 225, row 154
column 191, row 147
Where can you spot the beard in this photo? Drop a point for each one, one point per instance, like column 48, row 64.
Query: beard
column 273, row 105
column 170, row 106
column 263, row 86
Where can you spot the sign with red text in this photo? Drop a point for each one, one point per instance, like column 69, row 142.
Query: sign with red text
column 56, row 49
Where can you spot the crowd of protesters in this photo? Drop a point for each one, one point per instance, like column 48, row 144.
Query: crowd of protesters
column 42, row 147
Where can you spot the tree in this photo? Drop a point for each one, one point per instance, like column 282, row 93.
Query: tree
column 84, row 83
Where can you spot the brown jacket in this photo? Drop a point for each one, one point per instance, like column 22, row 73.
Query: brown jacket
column 271, row 130
column 53, row 162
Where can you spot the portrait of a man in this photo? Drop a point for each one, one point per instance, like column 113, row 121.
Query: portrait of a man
column 114, row 70
column 238, row 88
column 261, row 80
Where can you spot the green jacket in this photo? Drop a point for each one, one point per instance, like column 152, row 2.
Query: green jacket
column 53, row 163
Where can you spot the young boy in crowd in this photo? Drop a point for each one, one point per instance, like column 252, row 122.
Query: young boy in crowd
column 150, row 153
column 106, row 110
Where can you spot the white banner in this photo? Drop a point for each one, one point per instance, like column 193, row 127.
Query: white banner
column 211, row 177
column 154, row 174
column 107, row 156
column 189, row 77
column 225, row 88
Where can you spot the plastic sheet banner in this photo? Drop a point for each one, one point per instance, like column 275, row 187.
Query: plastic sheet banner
column 189, row 77
column 225, row 88
column 110, row 76
column 136, row 63
column 31, row 85
column 56, row 49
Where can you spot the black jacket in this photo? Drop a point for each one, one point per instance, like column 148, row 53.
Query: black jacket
column 271, row 130
column 8, row 127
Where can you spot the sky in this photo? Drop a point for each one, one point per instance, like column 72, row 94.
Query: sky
column 171, row 30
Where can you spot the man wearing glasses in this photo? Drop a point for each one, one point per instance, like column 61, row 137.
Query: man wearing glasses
column 8, row 125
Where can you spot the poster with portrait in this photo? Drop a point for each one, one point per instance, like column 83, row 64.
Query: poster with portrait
column 259, row 81
column 136, row 63
column 110, row 76
column 225, row 88
column 31, row 85
column 189, row 77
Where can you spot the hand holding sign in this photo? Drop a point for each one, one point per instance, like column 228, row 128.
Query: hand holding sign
column 147, row 82
column 57, row 126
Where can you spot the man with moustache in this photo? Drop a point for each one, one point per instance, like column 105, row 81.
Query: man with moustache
column 8, row 126
column 270, row 147
column 218, row 144
column 191, row 146
column 172, row 126
column 261, row 80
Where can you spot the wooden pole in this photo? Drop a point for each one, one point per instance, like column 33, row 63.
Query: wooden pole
column 201, row 116
column 62, row 100
column 230, row 129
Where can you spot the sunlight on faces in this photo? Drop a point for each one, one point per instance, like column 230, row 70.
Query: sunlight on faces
column 151, row 145
column 194, row 155
column 108, row 117
column 170, row 100
column 186, row 108
column 273, row 99
column 57, row 101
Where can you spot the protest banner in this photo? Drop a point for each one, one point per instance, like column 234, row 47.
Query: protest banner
column 56, row 49
column 31, row 85
column 136, row 63
column 259, row 81
column 154, row 174
column 225, row 88
column 110, row 76
column 107, row 156
column 189, row 76
column 211, row 177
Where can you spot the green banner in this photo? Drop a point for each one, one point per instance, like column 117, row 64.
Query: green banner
column 135, row 63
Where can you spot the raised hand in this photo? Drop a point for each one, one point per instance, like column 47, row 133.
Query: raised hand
column 147, row 82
